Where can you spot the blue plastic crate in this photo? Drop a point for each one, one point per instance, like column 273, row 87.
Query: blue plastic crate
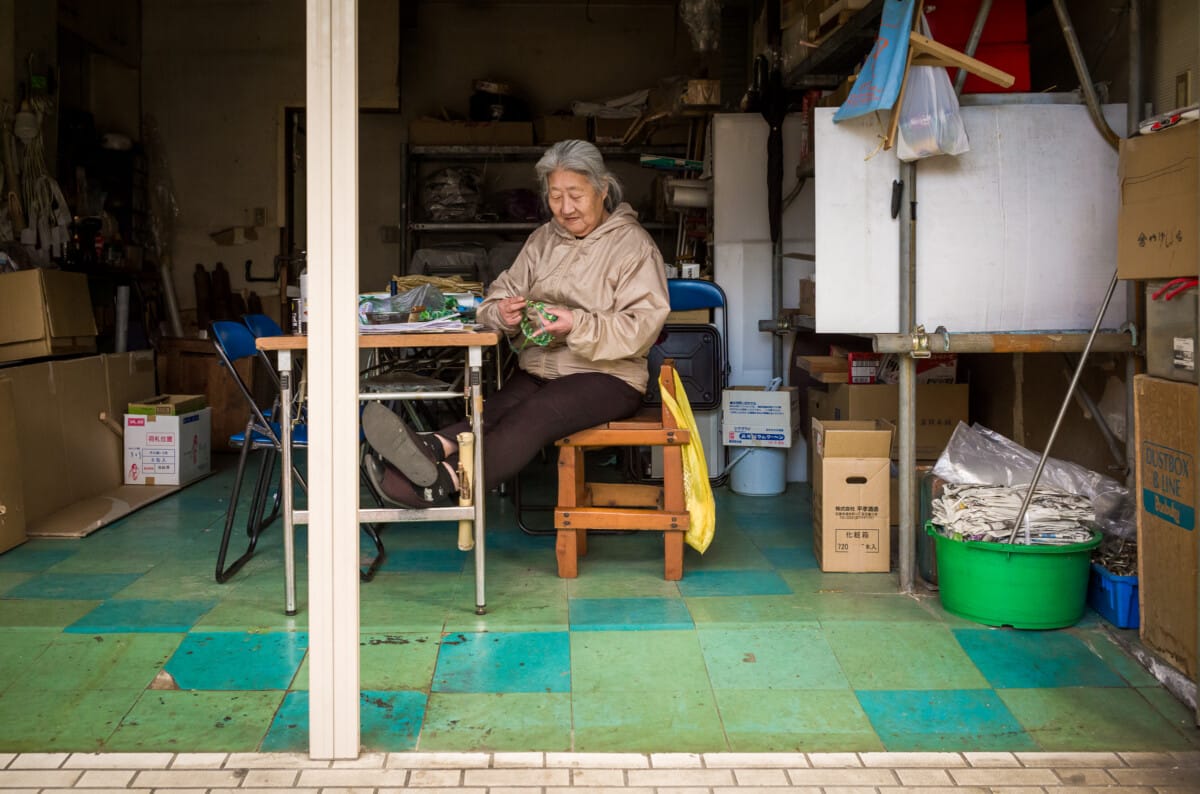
column 1114, row 597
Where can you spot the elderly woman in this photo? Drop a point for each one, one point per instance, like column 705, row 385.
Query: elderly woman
column 592, row 282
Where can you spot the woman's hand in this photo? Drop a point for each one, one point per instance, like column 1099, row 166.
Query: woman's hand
column 511, row 310
column 562, row 324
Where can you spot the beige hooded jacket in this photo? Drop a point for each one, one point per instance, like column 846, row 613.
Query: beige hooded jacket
column 613, row 280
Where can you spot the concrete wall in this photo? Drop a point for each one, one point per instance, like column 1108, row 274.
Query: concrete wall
column 217, row 76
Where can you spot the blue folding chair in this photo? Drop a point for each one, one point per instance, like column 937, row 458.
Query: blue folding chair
column 234, row 342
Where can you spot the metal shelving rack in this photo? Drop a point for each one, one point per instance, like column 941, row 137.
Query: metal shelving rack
column 411, row 228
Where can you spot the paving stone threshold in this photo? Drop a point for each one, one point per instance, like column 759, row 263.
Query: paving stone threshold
column 1161, row 773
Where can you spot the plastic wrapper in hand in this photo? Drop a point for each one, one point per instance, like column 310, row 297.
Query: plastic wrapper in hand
column 977, row 454
column 468, row 260
column 163, row 207
column 451, row 194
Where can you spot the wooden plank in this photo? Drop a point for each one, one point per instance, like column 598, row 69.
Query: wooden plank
column 619, row 518
column 615, row 494
column 603, row 437
column 927, row 52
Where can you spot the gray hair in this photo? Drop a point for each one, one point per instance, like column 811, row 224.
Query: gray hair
column 582, row 158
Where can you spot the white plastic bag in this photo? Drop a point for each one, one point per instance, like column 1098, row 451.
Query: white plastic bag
column 929, row 120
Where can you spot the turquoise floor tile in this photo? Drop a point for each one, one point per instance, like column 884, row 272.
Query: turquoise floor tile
column 141, row 615
column 632, row 614
column 1011, row 659
column 389, row 722
column 73, row 586
column 949, row 720
column 732, row 583
column 237, row 660
column 504, row 662
column 791, row 557
column 765, row 659
column 422, row 560
column 36, row 556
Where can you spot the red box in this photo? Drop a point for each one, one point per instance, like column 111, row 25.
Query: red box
column 950, row 22
column 1011, row 58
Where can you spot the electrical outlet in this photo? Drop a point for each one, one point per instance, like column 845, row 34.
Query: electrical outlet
column 1183, row 89
column 260, row 216
column 389, row 234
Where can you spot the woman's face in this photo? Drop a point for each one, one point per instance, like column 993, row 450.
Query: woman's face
column 575, row 202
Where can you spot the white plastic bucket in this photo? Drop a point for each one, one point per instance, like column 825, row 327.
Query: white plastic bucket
column 761, row 471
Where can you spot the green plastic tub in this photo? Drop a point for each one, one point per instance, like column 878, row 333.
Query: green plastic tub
column 1002, row 584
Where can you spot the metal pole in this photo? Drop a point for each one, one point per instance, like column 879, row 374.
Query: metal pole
column 1106, row 342
column 1081, row 71
column 906, row 411
column 1037, row 473
column 973, row 41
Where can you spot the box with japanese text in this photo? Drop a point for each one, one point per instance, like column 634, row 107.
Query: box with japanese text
column 1165, row 427
column 167, row 450
column 754, row 417
column 851, row 486
column 1156, row 224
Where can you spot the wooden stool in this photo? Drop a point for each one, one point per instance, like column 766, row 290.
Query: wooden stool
column 590, row 505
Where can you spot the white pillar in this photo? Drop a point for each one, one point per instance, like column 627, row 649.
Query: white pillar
column 332, row 131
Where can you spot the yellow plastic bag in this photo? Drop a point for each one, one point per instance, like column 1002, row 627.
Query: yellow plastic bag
column 697, row 491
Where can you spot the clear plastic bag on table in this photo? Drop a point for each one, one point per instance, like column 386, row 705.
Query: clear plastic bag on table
column 930, row 123
column 451, row 194
column 377, row 309
column 976, row 454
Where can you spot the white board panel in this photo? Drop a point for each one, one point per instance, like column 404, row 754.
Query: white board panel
column 1019, row 234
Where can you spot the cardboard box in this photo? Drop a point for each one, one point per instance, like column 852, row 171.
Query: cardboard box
column 67, row 437
column 808, row 297
column 45, row 313
column 1165, row 426
column 168, row 450
column 434, row 132
column 168, row 405
column 851, row 482
column 1156, row 224
column 938, row 368
column 940, row 407
column 12, row 497
column 551, row 129
column 753, row 417
column 610, row 130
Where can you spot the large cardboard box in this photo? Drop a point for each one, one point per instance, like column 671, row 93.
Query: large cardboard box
column 1165, row 424
column 1156, row 226
column 168, row 450
column 66, row 419
column 12, row 497
column 754, row 417
column 851, row 482
column 940, row 407
column 434, row 132
column 45, row 313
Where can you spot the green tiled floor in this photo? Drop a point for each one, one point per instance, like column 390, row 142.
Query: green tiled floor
column 122, row 641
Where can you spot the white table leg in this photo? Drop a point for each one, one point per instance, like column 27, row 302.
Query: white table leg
column 285, row 480
column 475, row 379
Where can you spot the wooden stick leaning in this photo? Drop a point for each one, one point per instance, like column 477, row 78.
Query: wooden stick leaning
column 466, row 488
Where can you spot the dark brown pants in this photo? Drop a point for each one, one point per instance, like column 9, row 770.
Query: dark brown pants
column 528, row 413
